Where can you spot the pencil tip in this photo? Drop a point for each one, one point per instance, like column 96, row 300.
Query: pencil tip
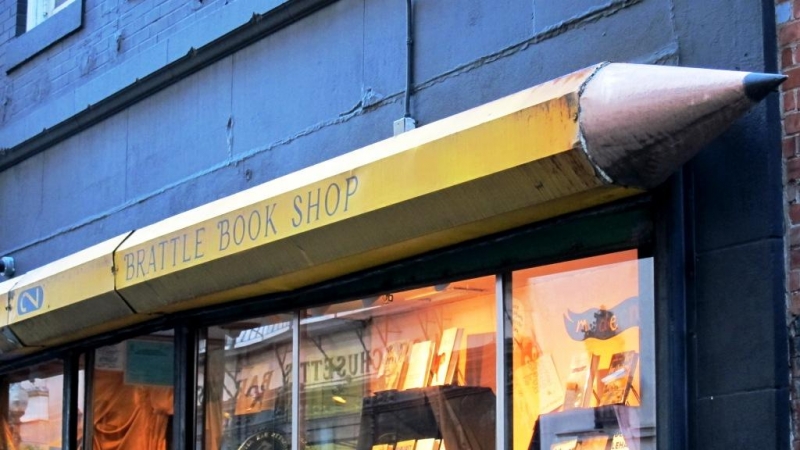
column 759, row 85
column 639, row 123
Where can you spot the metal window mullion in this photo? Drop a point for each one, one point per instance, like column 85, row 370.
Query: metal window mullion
column 296, row 381
column 69, row 408
column 88, row 400
column 503, row 295
column 5, row 416
column 185, row 379
column 201, row 420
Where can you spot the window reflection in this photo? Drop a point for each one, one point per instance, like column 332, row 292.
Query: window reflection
column 582, row 354
column 245, row 391
column 33, row 416
column 412, row 369
column 133, row 394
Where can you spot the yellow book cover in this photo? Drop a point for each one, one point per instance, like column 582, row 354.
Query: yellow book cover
column 419, row 365
column 617, row 383
column 255, row 393
column 618, row 442
column 406, row 445
column 426, row 444
column 444, row 363
column 594, row 443
column 392, row 368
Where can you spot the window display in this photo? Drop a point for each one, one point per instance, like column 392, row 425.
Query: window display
column 409, row 370
column 133, row 394
column 412, row 369
column 244, row 384
column 583, row 354
column 33, row 415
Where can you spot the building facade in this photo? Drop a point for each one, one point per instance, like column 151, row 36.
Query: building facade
column 129, row 124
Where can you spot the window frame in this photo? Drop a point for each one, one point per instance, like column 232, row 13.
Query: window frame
column 49, row 7
column 29, row 42
column 651, row 224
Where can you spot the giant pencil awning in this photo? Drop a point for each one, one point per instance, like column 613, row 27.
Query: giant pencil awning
column 588, row 138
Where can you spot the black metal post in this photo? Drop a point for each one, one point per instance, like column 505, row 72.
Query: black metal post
column 69, row 423
column 184, row 419
column 670, row 263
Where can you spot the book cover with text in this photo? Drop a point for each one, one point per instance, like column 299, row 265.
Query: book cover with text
column 619, row 378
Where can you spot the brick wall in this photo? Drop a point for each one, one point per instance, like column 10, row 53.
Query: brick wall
column 113, row 31
column 788, row 18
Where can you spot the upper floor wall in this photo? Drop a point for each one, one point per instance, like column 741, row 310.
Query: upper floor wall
column 51, row 73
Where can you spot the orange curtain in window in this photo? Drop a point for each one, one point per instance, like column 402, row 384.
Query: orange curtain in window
column 130, row 417
column 7, row 440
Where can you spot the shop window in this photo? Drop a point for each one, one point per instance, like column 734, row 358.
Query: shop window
column 583, row 365
column 32, row 416
column 406, row 370
column 132, row 394
column 244, row 384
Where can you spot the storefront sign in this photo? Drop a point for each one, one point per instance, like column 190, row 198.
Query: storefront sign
column 245, row 228
column 439, row 185
column 575, row 142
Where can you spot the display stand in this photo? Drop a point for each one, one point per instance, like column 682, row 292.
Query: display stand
column 581, row 423
column 462, row 416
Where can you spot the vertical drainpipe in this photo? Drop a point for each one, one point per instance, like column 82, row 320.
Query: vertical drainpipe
column 407, row 123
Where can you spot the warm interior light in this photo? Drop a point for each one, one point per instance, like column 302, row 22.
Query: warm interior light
column 339, row 399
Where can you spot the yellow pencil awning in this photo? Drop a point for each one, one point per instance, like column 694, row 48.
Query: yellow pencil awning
column 537, row 154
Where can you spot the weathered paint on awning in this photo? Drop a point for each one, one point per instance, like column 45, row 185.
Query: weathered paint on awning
column 71, row 298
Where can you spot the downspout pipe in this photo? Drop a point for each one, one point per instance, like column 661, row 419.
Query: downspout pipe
column 409, row 56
